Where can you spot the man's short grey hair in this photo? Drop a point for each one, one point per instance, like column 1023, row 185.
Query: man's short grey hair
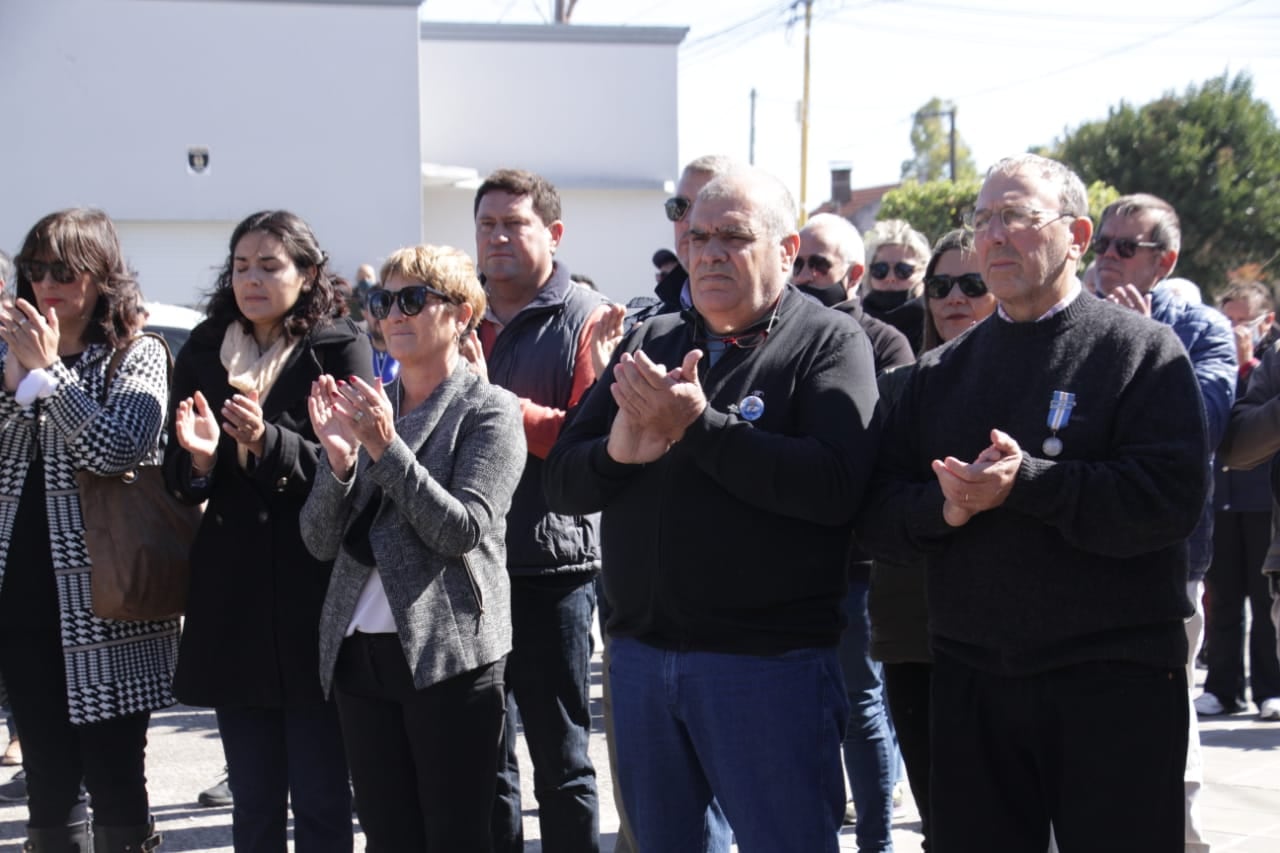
column 1072, row 195
column 711, row 164
column 775, row 207
column 843, row 233
column 6, row 270
column 1167, row 229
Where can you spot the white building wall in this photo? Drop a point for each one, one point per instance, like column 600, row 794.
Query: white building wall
column 592, row 109
column 609, row 235
column 305, row 106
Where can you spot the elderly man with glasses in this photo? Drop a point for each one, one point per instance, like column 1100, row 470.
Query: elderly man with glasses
column 727, row 448
column 1051, row 465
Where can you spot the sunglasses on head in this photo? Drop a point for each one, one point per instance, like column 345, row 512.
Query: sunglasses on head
column 410, row 299
column 35, row 271
column 1125, row 247
column 816, row 263
column 677, row 207
column 902, row 270
column 939, row 286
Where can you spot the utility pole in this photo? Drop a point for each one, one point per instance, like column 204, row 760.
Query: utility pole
column 804, row 116
column 950, row 112
column 564, row 9
column 751, row 142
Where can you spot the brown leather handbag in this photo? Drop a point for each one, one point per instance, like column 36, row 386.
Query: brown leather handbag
column 138, row 535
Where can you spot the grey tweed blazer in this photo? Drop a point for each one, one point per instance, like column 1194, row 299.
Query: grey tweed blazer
column 446, row 483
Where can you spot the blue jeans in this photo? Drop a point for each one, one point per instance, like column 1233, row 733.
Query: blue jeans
column 282, row 757
column 708, row 741
column 548, row 682
column 870, row 751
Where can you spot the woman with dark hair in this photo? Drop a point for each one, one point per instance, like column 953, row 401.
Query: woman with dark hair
column 412, row 504
column 242, row 440
column 82, row 688
column 957, row 298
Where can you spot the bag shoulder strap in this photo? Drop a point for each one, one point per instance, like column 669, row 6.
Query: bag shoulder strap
column 118, row 356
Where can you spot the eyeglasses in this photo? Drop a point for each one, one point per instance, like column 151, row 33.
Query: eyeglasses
column 817, row 264
column 747, row 340
column 35, row 271
column 902, row 270
column 1125, row 247
column 410, row 299
column 1015, row 218
column 676, row 207
column 939, row 286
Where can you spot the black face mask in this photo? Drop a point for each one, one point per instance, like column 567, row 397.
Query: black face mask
column 885, row 300
column 832, row 294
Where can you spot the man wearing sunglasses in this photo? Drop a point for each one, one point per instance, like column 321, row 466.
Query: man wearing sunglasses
column 1136, row 249
column 829, row 268
column 726, row 449
column 536, row 339
column 672, row 291
column 1050, row 465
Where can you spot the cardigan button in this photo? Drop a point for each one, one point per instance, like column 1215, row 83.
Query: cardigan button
column 281, row 483
column 263, row 517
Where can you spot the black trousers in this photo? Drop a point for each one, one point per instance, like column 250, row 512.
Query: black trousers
column 424, row 762
column 108, row 756
column 1097, row 748
column 907, row 688
column 1235, row 581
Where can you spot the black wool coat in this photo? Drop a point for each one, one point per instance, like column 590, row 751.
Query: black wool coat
column 251, row 637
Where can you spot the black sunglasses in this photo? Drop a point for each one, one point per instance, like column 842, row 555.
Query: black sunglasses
column 1125, row 247
column 677, row 207
column 902, row 270
column 939, row 286
column 816, row 263
column 35, row 271
column 410, row 299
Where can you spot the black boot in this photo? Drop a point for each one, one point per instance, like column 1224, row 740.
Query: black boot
column 126, row 839
column 77, row 838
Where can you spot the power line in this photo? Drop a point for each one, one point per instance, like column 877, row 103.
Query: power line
column 1107, row 54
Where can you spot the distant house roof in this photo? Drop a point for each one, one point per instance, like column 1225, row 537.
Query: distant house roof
column 859, row 199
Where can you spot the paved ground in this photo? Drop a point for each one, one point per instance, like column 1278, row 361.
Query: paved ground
column 1241, row 800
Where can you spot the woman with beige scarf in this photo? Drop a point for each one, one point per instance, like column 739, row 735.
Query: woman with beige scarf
column 242, row 440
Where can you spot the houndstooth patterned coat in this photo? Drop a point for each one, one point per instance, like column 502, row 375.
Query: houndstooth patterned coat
column 113, row 668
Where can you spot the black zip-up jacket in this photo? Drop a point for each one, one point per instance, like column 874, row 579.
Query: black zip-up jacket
column 735, row 540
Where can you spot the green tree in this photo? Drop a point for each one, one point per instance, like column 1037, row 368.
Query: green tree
column 935, row 208
column 931, row 144
column 932, row 208
column 1213, row 153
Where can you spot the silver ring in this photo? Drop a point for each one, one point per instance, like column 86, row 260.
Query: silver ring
column 22, row 322
column 357, row 416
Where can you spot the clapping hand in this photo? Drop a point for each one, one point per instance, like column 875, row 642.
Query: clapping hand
column 336, row 432
column 197, row 432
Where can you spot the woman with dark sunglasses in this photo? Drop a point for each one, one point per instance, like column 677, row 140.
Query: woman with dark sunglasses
column 411, row 503
column 957, row 299
column 242, row 441
column 894, row 280
column 82, row 688
column 955, row 293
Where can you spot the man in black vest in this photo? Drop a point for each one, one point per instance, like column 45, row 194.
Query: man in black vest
column 539, row 340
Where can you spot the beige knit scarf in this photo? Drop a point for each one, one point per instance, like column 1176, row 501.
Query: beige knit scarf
column 251, row 369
